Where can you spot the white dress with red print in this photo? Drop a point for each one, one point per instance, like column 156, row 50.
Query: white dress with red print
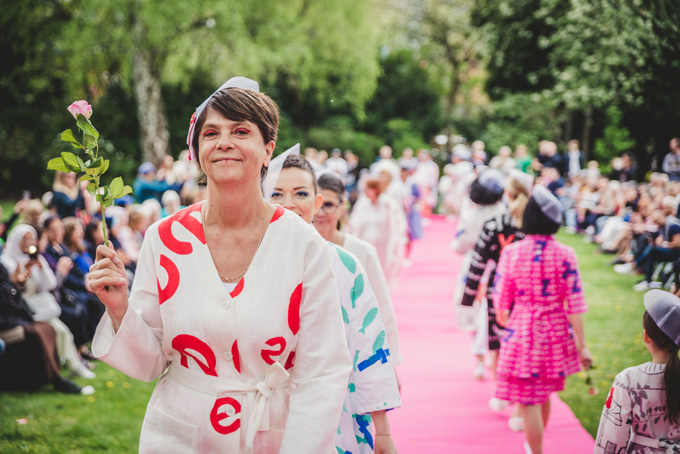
column 635, row 418
column 261, row 369
column 372, row 383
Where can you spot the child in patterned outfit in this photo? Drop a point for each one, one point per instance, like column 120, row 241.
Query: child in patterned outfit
column 535, row 277
column 642, row 412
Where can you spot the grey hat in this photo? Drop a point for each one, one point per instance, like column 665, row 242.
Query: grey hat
column 548, row 203
column 492, row 180
column 664, row 308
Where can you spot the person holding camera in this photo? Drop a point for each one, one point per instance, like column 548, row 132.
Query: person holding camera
column 33, row 276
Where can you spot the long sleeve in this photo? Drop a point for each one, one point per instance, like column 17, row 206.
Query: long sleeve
column 503, row 286
column 480, row 257
column 136, row 349
column 376, row 276
column 44, row 276
column 322, row 363
column 375, row 385
column 615, row 423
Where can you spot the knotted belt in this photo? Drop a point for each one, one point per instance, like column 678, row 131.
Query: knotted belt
column 671, row 446
column 276, row 377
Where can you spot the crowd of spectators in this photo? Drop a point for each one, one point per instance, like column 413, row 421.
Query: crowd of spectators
column 635, row 219
column 48, row 314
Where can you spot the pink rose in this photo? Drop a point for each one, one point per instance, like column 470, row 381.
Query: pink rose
column 80, row 108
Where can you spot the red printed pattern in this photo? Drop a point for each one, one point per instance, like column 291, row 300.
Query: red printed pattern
column 173, row 280
column 184, row 342
column 216, row 417
column 194, row 226
column 294, row 309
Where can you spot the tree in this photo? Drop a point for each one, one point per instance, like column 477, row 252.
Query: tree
column 31, row 89
column 316, row 55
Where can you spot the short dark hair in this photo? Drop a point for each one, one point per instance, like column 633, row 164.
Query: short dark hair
column 331, row 182
column 534, row 222
column 298, row 161
column 239, row 104
column 482, row 195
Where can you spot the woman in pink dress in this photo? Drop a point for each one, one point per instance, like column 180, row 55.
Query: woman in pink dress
column 539, row 299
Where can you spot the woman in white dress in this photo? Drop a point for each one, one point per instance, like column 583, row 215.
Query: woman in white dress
column 372, row 388
column 327, row 223
column 234, row 305
column 378, row 219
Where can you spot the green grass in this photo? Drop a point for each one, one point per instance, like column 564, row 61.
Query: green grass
column 613, row 330
column 110, row 420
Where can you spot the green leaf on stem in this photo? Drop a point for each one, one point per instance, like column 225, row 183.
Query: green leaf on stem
column 57, row 164
column 126, row 190
column 96, row 164
column 87, row 128
column 117, row 186
column 104, row 167
column 81, row 164
column 70, row 161
column 92, row 188
column 67, row 136
column 89, row 142
column 87, row 178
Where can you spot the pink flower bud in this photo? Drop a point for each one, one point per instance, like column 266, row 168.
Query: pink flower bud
column 80, row 108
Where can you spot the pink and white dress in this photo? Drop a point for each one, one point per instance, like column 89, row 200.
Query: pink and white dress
column 262, row 368
column 534, row 279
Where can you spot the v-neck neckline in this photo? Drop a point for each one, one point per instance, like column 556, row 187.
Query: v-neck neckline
column 240, row 284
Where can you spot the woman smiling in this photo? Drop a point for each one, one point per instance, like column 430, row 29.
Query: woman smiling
column 233, row 304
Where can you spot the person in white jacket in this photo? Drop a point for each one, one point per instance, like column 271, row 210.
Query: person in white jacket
column 234, row 305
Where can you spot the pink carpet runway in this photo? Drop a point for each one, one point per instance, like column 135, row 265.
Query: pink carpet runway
column 444, row 409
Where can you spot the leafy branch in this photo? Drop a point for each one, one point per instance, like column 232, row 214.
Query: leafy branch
column 94, row 166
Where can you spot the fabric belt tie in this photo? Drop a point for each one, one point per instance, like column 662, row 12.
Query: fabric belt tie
column 276, row 377
column 671, row 446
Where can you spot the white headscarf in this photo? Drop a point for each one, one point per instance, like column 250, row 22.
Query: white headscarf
column 275, row 166
column 11, row 254
column 234, row 82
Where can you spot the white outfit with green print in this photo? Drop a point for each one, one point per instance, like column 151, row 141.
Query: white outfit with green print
column 372, row 383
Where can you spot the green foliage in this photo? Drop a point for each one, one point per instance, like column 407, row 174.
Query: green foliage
column 517, row 51
column 93, row 168
column 406, row 102
column 615, row 140
column 520, row 119
column 364, row 145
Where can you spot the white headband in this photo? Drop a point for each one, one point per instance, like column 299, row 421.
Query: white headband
column 234, row 82
column 274, row 169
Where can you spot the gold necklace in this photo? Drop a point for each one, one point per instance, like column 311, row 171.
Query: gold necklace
column 231, row 279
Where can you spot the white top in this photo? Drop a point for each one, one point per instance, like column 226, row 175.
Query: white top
column 368, row 256
column 262, row 369
column 382, row 224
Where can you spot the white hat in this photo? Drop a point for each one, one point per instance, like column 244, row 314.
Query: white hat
column 548, row 203
column 664, row 308
column 234, row 82
column 274, row 169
